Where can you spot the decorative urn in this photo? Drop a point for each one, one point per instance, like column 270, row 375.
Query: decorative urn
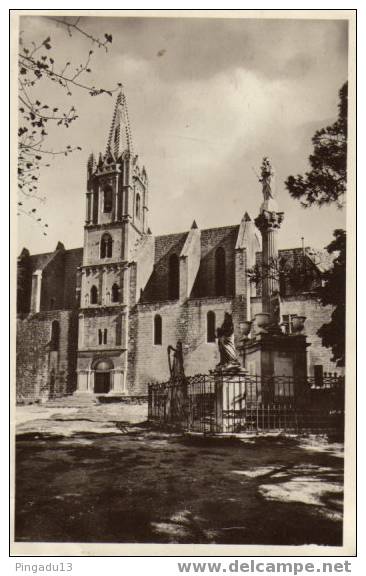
column 245, row 328
column 262, row 322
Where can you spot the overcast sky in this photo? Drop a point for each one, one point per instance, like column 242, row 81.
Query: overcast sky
column 207, row 99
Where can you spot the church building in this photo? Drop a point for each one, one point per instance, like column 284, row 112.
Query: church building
column 99, row 319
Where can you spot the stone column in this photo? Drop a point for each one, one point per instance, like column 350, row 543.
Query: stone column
column 116, row 215
column 92, row 200
column 269, row 223
column 111, row 390
column 91, row 381
column 117, row 381
column 82, row 382
column 124, row 279
column 81, row 330
column 100, row 201
column 88, row 378
column 87, row 209
column 36, row 291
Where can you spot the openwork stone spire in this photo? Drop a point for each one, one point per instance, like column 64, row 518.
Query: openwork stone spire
column 120, row 139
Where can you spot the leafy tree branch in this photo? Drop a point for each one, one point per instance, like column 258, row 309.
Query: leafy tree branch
column 38, row 63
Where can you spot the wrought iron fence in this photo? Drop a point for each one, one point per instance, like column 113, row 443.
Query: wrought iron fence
column 219, row 403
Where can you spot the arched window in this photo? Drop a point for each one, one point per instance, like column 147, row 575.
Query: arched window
column 107, row 200
column 158, row 330
column 106, row 246
column 220, row 272
column 115, row 293
column 93, row 295
column 138, row 205
column 173, row 277
column 86, row 299
column 55, row 336
column 108, row 297
column 100, row 336
column 211, row 326
column 105, row 336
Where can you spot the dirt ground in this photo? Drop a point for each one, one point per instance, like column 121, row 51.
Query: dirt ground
column 99, row 474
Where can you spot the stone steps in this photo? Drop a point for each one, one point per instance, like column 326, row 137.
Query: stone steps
column 74, row 401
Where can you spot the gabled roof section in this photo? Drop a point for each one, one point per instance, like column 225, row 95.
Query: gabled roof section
column 321, row 259
column 169, row 243
column 157, row 287
column 312, row 262
column 40, row 261
column 210, row 237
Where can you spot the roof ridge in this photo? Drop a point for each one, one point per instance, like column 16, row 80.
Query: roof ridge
column 202, row 230
column 39, row 254
column 221, row 227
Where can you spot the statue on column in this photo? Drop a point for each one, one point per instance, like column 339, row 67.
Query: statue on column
column 267, row 175
column 225, row 337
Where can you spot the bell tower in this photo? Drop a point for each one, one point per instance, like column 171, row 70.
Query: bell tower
column 117, row 189
column 115, row 222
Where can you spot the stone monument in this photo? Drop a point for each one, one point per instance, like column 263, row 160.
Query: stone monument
column 226, row 344
column 229, row 376
column 269, row 352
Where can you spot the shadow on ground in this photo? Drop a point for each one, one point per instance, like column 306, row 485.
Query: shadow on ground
column 127, row 483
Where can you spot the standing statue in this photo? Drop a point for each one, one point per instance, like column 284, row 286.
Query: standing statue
column 267, row 175
column 176, row 367
column 177, row 399
column 225, row 336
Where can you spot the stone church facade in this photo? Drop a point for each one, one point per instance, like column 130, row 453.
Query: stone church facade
column 98, row 319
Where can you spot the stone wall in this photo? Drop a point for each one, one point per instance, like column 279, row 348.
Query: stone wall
column 316, row 316
column 90, row 322
column 187, row 321
column 103, row 278
column 34, row 358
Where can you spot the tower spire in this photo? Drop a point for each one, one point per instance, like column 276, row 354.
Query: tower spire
column 120, row 138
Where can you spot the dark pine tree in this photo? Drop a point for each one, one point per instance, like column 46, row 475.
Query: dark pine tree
column 333, row 292
column 327, row 179
column 325, row 184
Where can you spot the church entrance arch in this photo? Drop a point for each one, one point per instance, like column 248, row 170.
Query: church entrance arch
column 102, row 369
